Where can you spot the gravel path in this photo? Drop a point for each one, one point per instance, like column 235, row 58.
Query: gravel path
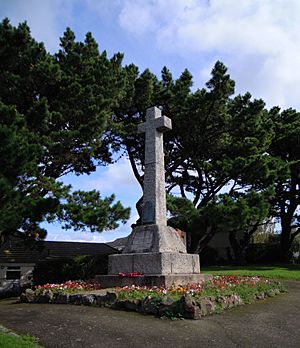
column 272, row 323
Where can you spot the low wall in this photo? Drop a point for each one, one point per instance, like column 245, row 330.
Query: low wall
column 187, row 307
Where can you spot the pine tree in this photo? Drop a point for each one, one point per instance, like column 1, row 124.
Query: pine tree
column 286, row 149
column 53, row 112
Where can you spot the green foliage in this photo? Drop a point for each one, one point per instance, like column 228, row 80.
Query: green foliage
column 291, row 272
column 85, row 267
column 69, row 112
column 53, row 111
column 265, row 234
column 263, row 253
column 9, row 340
column 210, row 256
column 139, row 293
column 236, row 146
column 182, row 211
column 286, row 148
column 240, row 212
column 80, row 267
column 218, row 141
column 239, row 216
column 246, row 292
column 296, row 244
column 84, row 209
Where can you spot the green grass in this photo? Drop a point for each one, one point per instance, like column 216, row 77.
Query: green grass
column 8, row 340
column 291, row 272
column 247, row 292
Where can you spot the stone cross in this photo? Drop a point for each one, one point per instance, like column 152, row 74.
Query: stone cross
column 154, row 200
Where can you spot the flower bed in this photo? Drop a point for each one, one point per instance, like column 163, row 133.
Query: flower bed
column 245, row 287
column 70, row 286
column 192, row 301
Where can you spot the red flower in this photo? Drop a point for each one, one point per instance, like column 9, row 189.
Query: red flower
column 130, row 274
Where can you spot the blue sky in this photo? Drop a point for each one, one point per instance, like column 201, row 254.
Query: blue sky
column 258, row 40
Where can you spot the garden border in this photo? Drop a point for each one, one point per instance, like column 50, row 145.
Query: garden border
column 186, row 307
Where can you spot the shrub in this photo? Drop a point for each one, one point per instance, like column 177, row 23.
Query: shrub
column 209, row 256
column 263, row 253
column 61, row 270
column 295, row 249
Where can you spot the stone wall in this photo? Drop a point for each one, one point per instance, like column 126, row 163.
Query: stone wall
column 187, row 307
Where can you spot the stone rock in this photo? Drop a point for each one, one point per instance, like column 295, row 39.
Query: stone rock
column 230, row 301
column 23, row 298
column 168, row 307
column 206, row 305
column 260, row 296
column 222, row 300
column 276, row 291
column 110, row 298
column 44, row 297
column 189, row 307
column 129, row 305
column 106, row 300
column 30, row 296
column 10, row 288
column 75, row 299
column 233, row 301
column 149, row 305
column 271, row 293
column 89, row 300
column 237, row 301
column 100, row 300
column 61, row 298
column 119, row 304
column 132, row 305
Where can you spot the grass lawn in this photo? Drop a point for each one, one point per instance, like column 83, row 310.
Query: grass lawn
column 291, row 272
column 8, row 340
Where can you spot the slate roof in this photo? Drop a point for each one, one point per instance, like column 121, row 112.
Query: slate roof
column 119, row 243
column 16, row 250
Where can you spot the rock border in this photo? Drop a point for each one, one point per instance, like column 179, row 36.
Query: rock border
column 187, row 307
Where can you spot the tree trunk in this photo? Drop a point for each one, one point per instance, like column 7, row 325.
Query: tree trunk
column 139, row 208
column 238, row 250
column 285, row 241
column 199, row 241
column 288, row 210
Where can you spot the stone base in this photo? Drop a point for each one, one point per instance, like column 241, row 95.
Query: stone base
column 154, row 263
column 153, row 239
column 111, row 281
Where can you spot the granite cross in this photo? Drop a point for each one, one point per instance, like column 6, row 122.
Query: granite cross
column 154, row 200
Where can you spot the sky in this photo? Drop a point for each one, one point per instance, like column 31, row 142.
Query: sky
column 258, row 40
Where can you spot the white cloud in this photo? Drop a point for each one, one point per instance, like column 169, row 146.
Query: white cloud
column 55, row 233
column 117, row 177
column 47, row 19
column 106, row 10
column 75, row 236
column 258, row 40
column 141, row 12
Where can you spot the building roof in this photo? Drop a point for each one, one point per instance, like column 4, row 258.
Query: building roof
column 119, row 243
column 17, row 250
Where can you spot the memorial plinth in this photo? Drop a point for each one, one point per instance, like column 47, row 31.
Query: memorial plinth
column 154, row 249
